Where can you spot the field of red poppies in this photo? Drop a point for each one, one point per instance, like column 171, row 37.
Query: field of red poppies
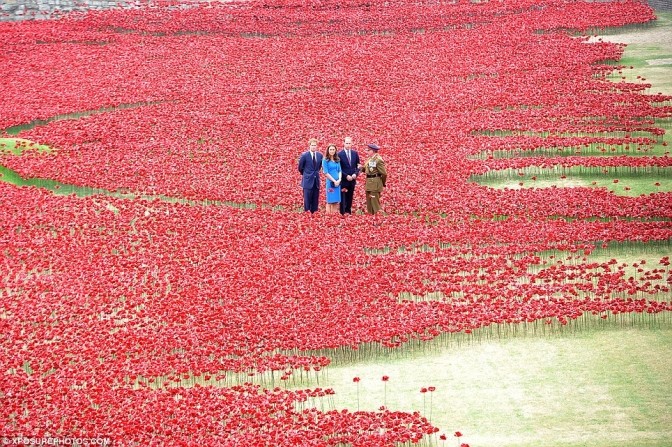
column 184, row 301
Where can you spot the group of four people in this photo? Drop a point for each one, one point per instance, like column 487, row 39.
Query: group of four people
column 341, row 169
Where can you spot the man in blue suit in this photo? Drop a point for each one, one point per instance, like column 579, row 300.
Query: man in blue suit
column 349, row 161
column 310, row 165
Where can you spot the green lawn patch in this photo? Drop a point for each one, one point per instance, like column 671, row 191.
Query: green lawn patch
column 17, row 146
column 622, row 183
column 593, row 388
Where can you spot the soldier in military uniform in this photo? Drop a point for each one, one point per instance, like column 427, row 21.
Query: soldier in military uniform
column 376, row 176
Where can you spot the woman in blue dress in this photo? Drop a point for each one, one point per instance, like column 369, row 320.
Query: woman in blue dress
column 331, row 166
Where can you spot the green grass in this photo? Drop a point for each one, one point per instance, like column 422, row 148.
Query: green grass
column 606, row 386
column 17, row 146
column 592, row 150
column 628, row 252
column 595, row 388
column 648, row 51
column 620, row 183
column 653, row 65
column 632, row 252
column 58, row 188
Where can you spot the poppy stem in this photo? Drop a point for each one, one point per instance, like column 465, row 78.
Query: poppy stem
column 357, row 396
column 430, row 407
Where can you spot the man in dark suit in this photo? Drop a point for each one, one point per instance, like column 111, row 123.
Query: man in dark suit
column 349, row 161
column 310, row 165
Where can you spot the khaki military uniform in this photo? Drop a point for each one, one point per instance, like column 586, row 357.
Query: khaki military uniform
column 376, row 176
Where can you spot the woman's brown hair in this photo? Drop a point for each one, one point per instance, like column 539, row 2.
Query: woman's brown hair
column 326, row 153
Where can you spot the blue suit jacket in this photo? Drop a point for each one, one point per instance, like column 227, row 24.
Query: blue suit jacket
column 349, row 168
column 310, row 173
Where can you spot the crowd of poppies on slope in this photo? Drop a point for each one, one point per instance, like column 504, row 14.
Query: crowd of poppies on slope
column 102, row 300
column 104, row 295
column 258, row 98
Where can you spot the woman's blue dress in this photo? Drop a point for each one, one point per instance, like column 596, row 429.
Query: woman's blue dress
column 333, row 168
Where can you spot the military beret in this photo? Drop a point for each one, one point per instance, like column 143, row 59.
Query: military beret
column 373, row 147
